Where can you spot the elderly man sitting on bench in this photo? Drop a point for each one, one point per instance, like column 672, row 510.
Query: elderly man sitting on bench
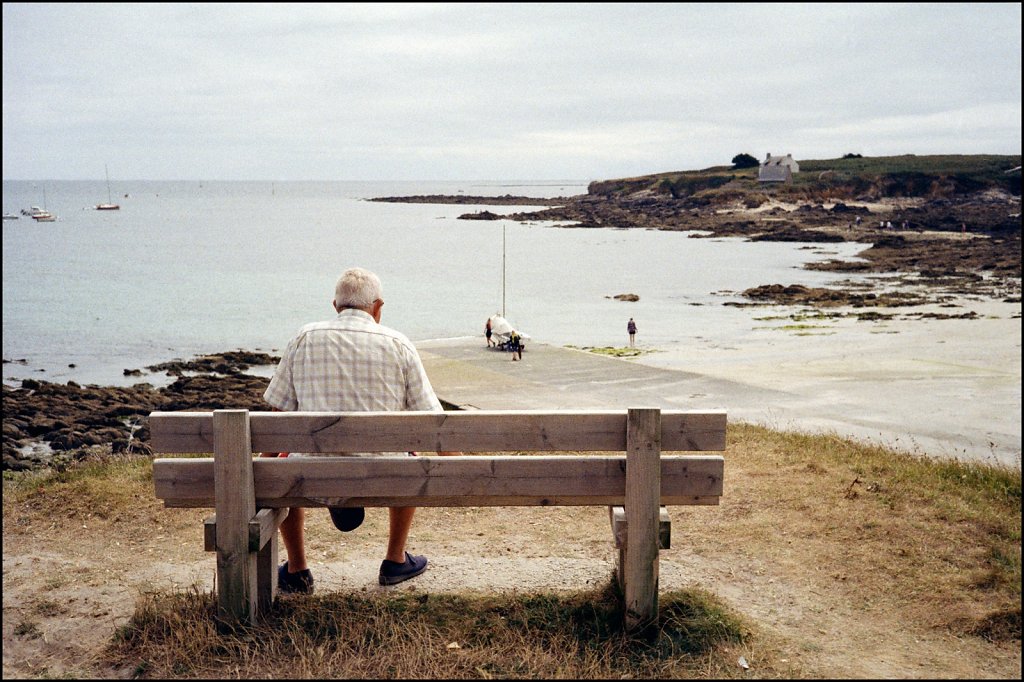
column 351, row 363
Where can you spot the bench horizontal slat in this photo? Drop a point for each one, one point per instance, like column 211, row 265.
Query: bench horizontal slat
column 466, row 481
column 476, row 431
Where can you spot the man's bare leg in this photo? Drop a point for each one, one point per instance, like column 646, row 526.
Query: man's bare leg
column 400, row 523
column 293, row 534
column 293, row 530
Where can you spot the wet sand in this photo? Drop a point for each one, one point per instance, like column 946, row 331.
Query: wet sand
column 945, row 387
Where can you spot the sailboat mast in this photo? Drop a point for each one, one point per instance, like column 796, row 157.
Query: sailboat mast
column 107, row 171
column 503, row 230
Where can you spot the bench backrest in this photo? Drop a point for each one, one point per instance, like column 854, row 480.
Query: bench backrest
column 444, row 481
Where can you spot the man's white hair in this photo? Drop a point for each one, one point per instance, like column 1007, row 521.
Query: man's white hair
column 357, row 288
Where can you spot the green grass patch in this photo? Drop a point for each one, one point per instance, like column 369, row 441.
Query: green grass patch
column 615, row 352
column 803, row 329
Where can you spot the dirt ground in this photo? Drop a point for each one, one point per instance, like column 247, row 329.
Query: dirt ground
column 69, row 580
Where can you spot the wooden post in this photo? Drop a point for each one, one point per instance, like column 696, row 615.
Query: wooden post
column 620, row 533
column 263, row 541
column 235, row 504
column 266, row 575
column 643, row 499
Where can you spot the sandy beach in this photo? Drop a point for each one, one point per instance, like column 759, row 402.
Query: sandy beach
column 945, row 387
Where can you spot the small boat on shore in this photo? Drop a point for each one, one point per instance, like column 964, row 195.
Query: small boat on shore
column 501, row 330
column 10, row 216
column 501, row 333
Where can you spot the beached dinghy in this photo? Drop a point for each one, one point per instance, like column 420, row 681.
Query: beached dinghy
column 501, row 332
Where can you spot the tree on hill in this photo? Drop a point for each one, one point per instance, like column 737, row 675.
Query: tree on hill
column 745, row 161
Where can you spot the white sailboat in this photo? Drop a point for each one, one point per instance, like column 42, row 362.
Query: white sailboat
column 41, row 215
column 110, row 205
column 501, row 328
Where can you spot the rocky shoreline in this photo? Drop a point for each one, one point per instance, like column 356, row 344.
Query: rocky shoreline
column 53, row 425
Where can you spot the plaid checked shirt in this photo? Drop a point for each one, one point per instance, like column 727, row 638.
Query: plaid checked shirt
column 350, row 364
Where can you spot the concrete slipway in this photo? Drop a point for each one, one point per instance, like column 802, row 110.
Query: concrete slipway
column 467, row 374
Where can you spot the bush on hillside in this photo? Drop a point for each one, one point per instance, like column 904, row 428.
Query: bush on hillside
column 744, row 161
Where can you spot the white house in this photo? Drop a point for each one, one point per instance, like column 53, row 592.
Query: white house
column 778, row 168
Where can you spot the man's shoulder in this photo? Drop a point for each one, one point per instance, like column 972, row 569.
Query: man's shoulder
column 319, row 326
column 355, row 325
column 396, row 335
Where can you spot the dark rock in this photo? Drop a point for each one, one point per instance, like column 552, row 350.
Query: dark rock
column 73, row 419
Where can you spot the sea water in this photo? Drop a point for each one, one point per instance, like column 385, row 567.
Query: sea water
column 192, row 267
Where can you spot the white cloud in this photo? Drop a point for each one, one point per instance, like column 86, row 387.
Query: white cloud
column 964, row 130
column 423, row 91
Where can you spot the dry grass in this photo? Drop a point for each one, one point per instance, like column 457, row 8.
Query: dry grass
column 939, row 536
column 374, row 636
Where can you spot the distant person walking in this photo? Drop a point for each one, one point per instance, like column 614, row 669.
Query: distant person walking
column 487, row 332
column 631, row 328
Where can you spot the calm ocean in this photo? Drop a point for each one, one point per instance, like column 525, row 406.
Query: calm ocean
column 195, row 267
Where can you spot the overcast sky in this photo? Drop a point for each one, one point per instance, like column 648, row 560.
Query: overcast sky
column 495, row 91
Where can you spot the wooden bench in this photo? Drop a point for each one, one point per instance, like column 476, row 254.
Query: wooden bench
column 251, row 495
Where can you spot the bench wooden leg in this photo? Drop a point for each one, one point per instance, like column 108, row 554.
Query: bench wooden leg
column 263, row 542
column 266, row 575
column 643, row 497
column 620, row 532
column 235, row 505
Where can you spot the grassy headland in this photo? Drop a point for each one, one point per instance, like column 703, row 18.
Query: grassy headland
column 830, row 180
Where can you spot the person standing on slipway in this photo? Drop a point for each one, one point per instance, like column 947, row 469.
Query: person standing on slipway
column 631, row 328
column 351, row 363
column 515, row 344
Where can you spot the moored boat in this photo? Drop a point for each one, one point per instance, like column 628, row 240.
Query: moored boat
column 38, row 214
column 110, row 205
